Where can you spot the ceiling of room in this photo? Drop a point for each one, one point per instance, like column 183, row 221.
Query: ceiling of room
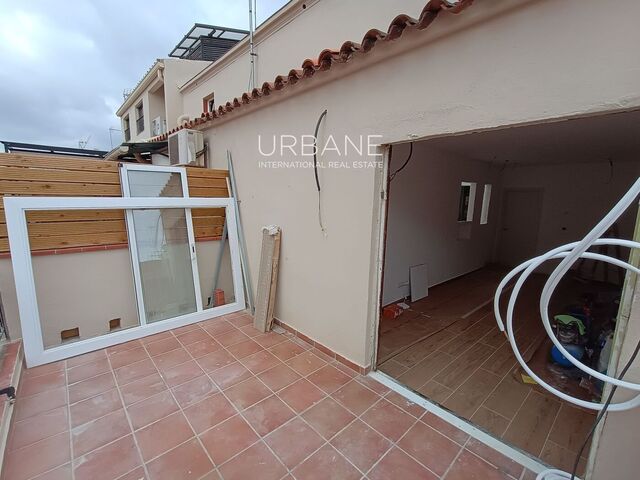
column 590, row 139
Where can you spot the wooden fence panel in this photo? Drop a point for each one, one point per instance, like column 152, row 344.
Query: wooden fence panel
column 49, row 175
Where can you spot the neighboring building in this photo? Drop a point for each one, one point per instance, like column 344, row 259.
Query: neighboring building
column 155, row 104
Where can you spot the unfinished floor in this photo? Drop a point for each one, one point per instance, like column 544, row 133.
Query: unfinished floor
column 448, row 348
column 220, row 400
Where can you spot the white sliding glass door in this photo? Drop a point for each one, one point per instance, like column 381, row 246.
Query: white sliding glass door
column 165, row 267
column 165, row 289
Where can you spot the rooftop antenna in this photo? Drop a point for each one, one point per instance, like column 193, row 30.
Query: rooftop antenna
column 83, row 143
column 252, row 55
column 111, row 130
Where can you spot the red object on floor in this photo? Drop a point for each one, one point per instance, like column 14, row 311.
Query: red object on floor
column 391, row 311
column 218, row 297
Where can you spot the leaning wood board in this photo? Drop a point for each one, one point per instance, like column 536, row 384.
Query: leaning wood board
column 54, row 175
column 267, row 278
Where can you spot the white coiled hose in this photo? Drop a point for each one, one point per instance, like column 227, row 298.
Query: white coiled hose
column 570, row 253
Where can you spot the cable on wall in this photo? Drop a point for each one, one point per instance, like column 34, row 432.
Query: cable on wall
column 406, row 162
column 315, row 168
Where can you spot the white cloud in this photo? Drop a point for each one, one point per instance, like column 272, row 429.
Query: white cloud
column 64, row 64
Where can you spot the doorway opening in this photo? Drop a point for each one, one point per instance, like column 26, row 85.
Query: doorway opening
column 465, row 210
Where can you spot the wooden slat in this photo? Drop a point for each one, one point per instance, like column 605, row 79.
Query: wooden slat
column 60, row 189
column 52, row 175
column 197, row 172
column 206, row 182
column 209, row 192
column 207, row 212
column 71, row 216
column 67, row 176
column 58, row 162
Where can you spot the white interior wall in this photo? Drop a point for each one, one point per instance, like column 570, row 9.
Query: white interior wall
column 422, row 224
column 575, row 196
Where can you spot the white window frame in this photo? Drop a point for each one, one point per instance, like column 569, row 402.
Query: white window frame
column 486, row 204
column 21, row 261
column 472, row 200
column 137, row 275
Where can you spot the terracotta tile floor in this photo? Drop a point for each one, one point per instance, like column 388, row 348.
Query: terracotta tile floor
column 469, row 367
column 218, row 400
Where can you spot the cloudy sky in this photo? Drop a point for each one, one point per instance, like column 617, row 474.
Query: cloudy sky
column 64, row 64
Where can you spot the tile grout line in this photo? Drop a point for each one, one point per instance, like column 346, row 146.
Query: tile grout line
column 455, row 459
column 68, row 397
column 126, row 412
column 482, row 404
column 517, row 411
column 180, row 409
column 492, row 441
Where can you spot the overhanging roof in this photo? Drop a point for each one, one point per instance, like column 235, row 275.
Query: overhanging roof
column 192, row 42
column 15, row 147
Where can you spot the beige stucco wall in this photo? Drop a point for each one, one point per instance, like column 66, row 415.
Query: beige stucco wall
column 88, row 289
column 161, row 97
column 284, row 42
column 499, row 63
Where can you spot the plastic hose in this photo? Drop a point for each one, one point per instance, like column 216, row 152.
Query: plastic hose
column 569, row 253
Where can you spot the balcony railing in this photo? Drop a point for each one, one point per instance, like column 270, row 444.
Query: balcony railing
column 140, row 125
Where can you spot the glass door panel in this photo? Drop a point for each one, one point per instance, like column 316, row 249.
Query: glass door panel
column 165, row 262
column 165, row 254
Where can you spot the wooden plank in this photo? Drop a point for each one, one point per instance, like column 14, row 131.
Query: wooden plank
column 66, row 176
column 198, row 172
column 70, row 228
column 207, row 212
column 266, row 285
column 203, row 182
column 59, row 162
column 207, row 221
column 201, row 216
column 209, row 192
column 274, row 281
column 9, row 187
column 71, row 215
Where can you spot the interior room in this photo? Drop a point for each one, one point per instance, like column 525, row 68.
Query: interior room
column 462, row 212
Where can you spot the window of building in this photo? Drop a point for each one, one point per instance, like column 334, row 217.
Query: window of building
column 467, row 201
column 139, row 118
column 486, row 201
column 126, row 128
column 208, row 103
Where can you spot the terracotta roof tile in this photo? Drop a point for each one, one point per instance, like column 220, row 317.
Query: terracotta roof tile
column 327, row 58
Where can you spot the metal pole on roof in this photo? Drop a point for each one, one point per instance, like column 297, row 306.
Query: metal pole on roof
column 244, row 258
column 252, row 78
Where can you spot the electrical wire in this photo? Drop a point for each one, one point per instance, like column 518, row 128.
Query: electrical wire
column 406, row 162
column 603, row 411
column 570, row 254
column 315, row 168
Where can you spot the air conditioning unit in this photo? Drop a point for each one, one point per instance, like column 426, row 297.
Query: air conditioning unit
column 186, row 147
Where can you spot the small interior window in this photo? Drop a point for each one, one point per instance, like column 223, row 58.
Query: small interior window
column 486, row 202
column 467, row 201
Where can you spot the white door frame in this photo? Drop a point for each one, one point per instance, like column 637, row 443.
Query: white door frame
column 137, row 275
column 21, row 261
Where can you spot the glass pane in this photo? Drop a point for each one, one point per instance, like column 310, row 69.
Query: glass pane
column 164, row 256
column 82, row 273
column 146, row 183
column 214, row 258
